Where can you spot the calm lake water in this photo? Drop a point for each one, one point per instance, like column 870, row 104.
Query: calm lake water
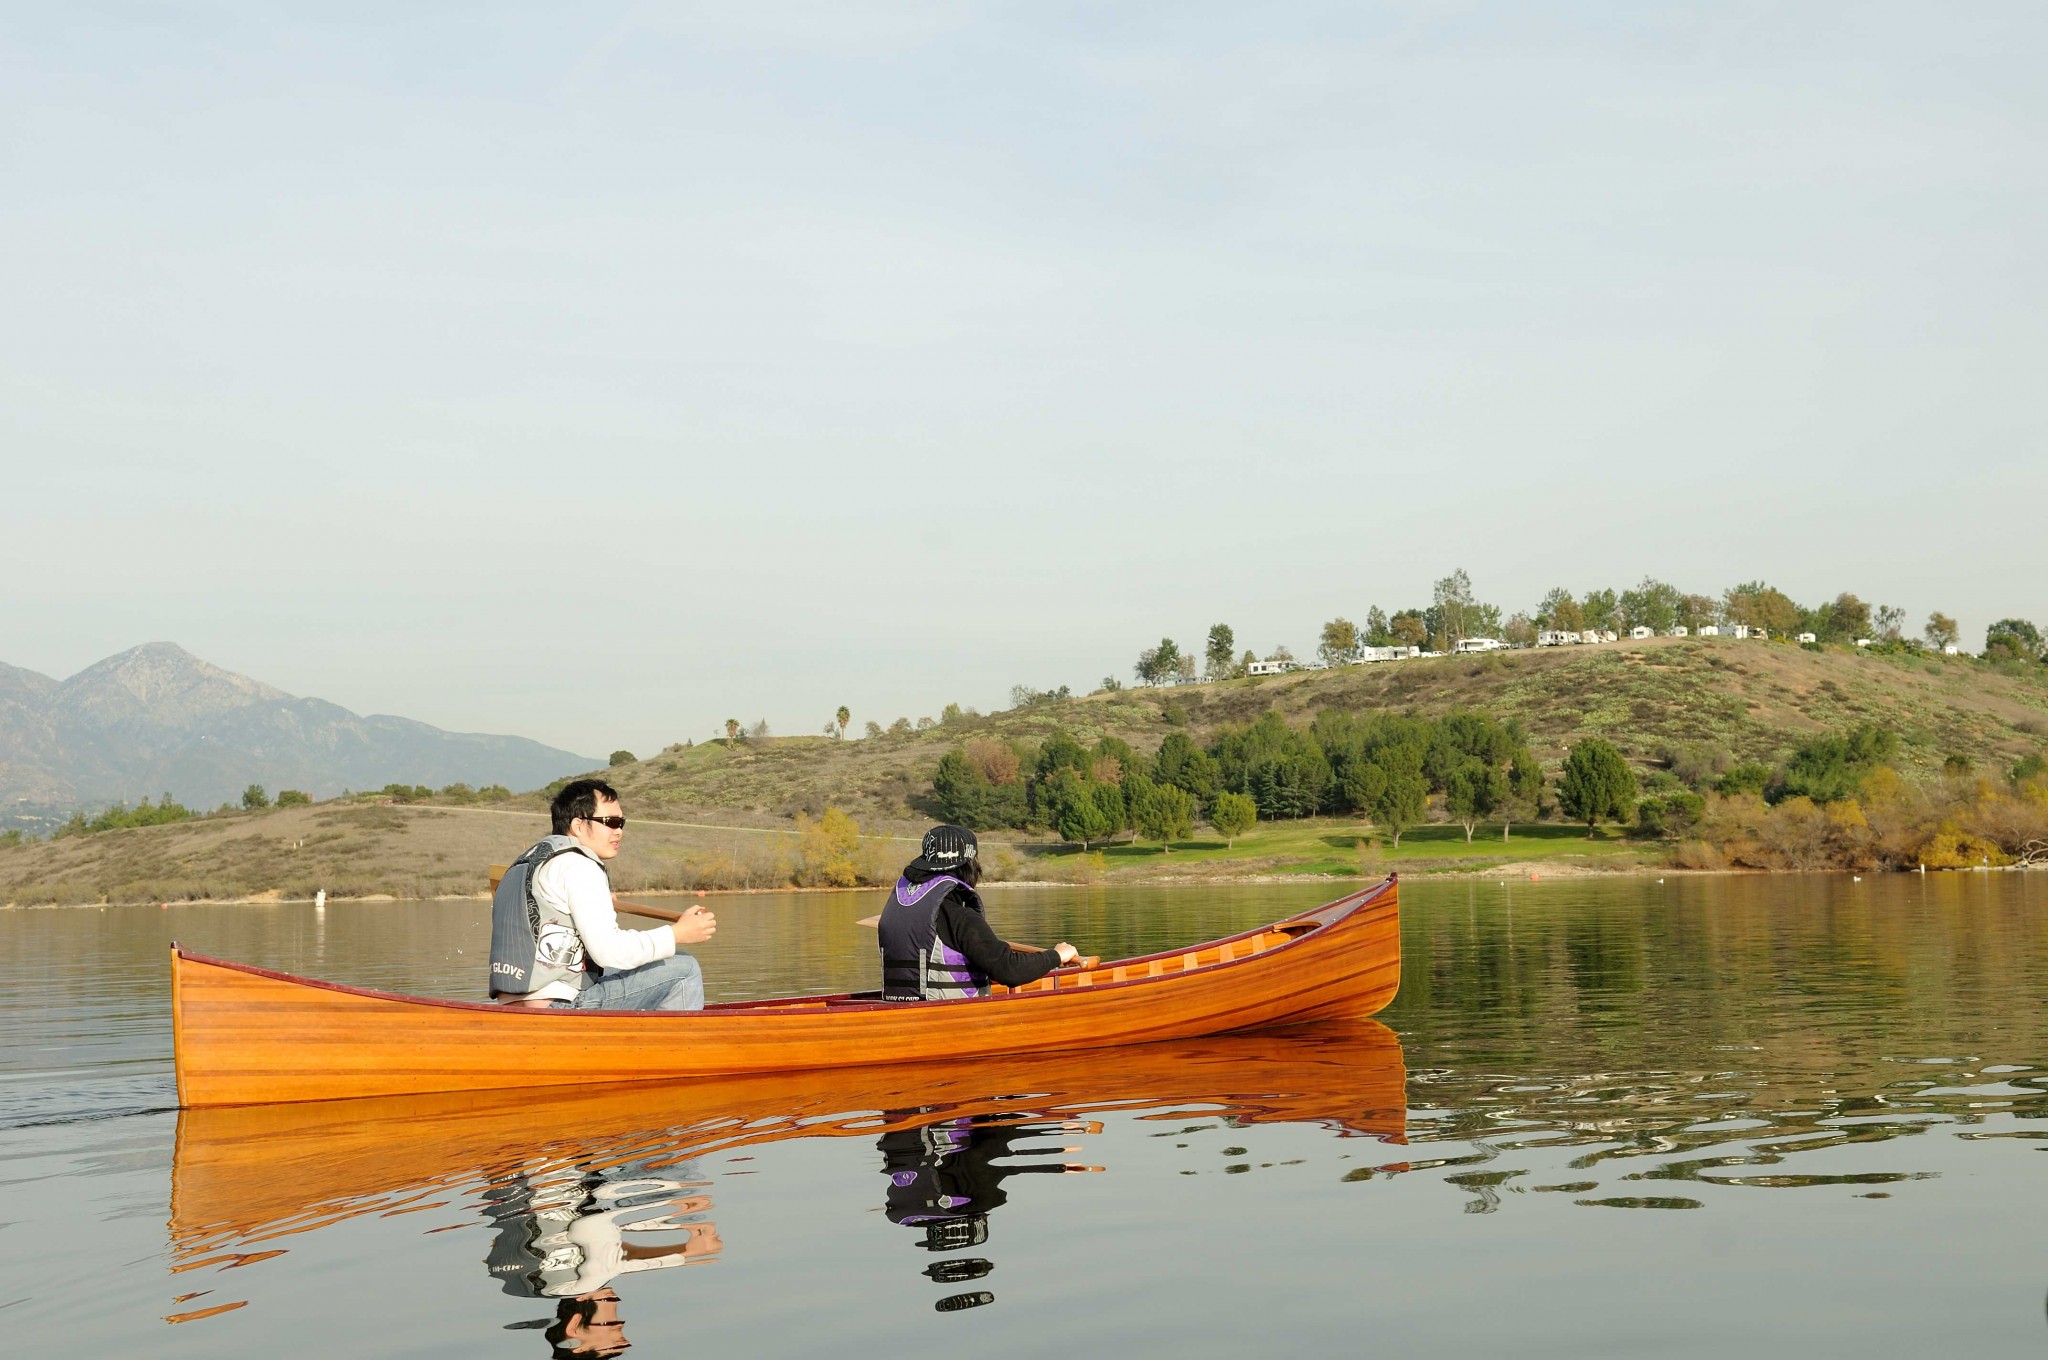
column 1770, row 1116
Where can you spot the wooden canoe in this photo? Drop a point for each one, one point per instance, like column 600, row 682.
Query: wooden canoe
column 244, row 1035
column 247, row 1177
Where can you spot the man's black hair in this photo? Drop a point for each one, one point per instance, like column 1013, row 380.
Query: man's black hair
column 579, row 798
column 567, row 1311
column 581, row 1309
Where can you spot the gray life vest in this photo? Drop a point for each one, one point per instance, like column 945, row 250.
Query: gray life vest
column 916, row 964
column 534, row 945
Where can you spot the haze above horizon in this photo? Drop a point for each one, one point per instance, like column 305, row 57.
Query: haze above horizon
column 600, row 376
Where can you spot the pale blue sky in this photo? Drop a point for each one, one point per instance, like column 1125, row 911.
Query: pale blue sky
column 598, row 373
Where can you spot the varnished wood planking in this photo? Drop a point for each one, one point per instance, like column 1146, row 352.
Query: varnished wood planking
column 247, row 1036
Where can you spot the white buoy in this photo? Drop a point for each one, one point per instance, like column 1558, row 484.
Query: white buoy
column 320, row 900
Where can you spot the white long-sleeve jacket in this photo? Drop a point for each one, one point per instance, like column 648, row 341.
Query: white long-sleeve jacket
column 576, row 885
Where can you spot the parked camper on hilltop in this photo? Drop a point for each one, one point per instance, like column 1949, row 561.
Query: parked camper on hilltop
column 1708, row 630
column 1641, row 632
column 1679, row 631
column 1271, row 667
column 1480, row 645
column 1556, row 637
column 1951, row 650
column 1804, row 638
column 1388, row 653
column 1744, row 630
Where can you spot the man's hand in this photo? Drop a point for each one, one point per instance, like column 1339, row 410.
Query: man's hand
column 697, row 926
column 1066, row 952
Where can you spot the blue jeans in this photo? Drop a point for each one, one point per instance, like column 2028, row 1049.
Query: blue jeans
column 671, row 984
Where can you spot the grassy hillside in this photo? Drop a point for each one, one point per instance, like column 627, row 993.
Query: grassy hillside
column 1756, row 700
column 712, row 815
column 362, row 849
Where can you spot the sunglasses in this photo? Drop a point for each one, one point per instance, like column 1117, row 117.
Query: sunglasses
column 616, row 823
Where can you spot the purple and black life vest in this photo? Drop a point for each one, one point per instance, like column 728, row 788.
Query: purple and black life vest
column 916, row 964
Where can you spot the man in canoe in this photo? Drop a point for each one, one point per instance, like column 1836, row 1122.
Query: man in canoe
column 936, row 942
column 555, row 940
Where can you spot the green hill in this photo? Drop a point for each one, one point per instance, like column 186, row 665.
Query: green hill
column 717, row 815
column 1754, row 700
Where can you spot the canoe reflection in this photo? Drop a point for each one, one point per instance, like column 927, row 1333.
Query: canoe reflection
column 584, row 1187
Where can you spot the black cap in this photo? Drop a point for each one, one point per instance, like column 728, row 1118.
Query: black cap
column 948, row 847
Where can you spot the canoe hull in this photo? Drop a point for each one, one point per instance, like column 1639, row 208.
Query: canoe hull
column 246, row 1036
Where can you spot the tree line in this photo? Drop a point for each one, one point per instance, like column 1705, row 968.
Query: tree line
column 1383, row 766
column 1834, row 800
column 1455, row 614
column 255, row 798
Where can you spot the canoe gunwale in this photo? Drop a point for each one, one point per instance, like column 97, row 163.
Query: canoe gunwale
column 1323, row 918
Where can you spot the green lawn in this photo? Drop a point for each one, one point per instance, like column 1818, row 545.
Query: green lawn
column 1328, row 845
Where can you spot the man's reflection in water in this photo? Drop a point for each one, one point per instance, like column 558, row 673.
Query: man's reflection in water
column 943, row 1180
column 562, row 1234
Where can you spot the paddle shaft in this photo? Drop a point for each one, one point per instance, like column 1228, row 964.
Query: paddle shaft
column 623, row 908
column 651, row 913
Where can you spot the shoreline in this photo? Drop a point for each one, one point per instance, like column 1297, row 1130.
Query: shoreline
column 1528, row 871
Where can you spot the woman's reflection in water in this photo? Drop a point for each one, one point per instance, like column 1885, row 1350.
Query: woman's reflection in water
column 944, row 1181
column 562, row 1234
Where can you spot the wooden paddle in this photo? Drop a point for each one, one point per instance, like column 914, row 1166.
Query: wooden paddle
column 623, row 908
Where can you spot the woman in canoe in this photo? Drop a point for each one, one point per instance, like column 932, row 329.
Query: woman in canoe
column 936, row 941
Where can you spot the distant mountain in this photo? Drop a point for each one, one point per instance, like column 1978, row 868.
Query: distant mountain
column 156, row 718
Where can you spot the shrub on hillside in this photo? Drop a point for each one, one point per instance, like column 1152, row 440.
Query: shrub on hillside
column 1698, row 854
column 123, row 818
column 1669, row 814
column 1828, row 769
column 1749, row 776
column 1698, row 764
column 1954, row 849
column 828, row 852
